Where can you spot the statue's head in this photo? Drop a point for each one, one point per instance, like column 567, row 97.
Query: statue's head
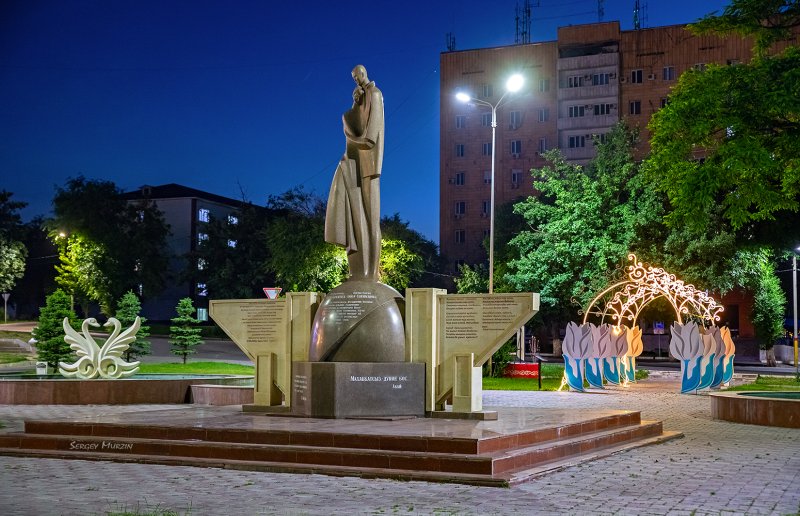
column 359, row 74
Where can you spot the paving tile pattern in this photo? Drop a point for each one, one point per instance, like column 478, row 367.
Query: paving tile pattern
column 718, row 468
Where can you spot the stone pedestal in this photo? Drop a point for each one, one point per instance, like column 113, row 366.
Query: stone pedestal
column 358, row 389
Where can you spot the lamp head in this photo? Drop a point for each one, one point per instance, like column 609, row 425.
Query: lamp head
column 463, row 97
column 515, row 83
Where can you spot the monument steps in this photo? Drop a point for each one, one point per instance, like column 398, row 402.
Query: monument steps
column 489, row 459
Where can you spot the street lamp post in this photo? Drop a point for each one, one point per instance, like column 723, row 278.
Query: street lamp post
column 513, row 85
column 794, row 308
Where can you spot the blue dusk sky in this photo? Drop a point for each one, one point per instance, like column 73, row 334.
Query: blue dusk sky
column 243, row 98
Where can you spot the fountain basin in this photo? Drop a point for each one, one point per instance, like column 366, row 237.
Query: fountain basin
column 34, row 389
column 767, row 408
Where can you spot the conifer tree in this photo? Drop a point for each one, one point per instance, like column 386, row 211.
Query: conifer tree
column 128, row 309
column 185, row 335
column 49, row 333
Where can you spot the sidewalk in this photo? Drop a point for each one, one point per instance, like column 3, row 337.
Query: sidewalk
column 719, row 467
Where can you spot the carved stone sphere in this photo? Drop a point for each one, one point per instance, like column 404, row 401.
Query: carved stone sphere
column 359, row 321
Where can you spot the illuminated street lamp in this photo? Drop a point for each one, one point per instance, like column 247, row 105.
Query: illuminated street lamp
column 513, row 84
column 794, row 308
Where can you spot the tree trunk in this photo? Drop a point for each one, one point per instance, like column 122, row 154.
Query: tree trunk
column 771, row 362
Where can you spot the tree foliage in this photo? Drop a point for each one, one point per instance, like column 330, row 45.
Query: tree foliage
column 12, row 251
column 730, row 135
column 185, row 334
column 399, row 264
column 425, row 272
column 128, row 308
column 49, row 332
column 582, row 226
column 121, row 245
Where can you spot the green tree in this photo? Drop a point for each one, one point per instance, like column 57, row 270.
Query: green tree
column 299, row 257
column 473, row 279
column 121, row 245
column 743, row 121
column 49, row 332
column 582, row 226
column 399, row 264
column 426, row 273
column 128, row 308
column 185, row 334
column 12, row 251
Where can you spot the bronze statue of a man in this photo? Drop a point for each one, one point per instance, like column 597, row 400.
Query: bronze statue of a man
column 353, row 214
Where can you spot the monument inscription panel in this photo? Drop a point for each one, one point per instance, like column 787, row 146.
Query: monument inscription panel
column 471, row 320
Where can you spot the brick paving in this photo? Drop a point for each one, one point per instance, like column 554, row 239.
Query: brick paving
column 718, row 468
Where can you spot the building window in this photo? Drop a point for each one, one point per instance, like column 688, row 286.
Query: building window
column 201, row 290
column 575, row 81
column 460, row 208
column 487, row 149
column 516, row 148
column 544, row 84
column 516, row 176
column 544, row 114
column 233, row 220
column 461, row 121
column 486, row 206
column 635, row 107
column 486, row 119
column 487, row 177
column 486, row 90
column 514, row 119
column 232, row 243
column 700, row 67
column 542, row 145
column 636, row 76
column 201, row 264
column 732, row 62
column 461, row 236
column 460, row 179
column 664, row 102
column 457, row 265
column 576, row 111
column 203, row 215
column 602, row 109
column 459, row 150
column 576, row 142
column 202, row 237
column 601, row 138
column 669, row 73
column 599, row 79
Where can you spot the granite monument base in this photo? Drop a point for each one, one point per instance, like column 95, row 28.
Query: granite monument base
column 358, row 389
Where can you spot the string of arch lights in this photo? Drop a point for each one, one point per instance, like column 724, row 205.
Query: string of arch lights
column 646, row 283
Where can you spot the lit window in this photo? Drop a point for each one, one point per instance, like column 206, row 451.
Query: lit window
column 203, row 215
column 635, row 107
column 487, row 149
column 515, row 119
column 461, row 121
column 636, row 76
column 202, row 237
column 232, row 243
column 460, row 236
column 233, row 220
column 669, row 73
column 460, row 179
column 516, row 148
column 459, row 150
column 202, row 314
column 486, row 119
column 201, row 290
column 544, row 114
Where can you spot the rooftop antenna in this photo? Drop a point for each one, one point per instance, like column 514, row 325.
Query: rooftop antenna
column 522, row 33
column 601, row 11
column 636, row 20
column 450, row 39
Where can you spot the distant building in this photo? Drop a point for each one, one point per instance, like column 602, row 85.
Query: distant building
column 187, row 211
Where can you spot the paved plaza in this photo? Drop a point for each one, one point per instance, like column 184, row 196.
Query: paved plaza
column 717, row 468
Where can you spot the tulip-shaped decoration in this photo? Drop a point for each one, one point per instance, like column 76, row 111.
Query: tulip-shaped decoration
column 618, row 346
column 601, row 347
column 635, row 348
column 576, row 347
column 687, row 347
column 719, row 357
column 707, row 361
column 730, row 353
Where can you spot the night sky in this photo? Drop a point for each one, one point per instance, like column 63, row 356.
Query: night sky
column 243, row 98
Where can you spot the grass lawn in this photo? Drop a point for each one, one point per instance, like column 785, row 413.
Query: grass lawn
column 551, row 380
column 21, row 335
column 197, row 368
column 12, row 358
column 769, row 383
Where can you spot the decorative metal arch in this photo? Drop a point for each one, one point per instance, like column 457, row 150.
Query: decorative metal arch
column 645, row 284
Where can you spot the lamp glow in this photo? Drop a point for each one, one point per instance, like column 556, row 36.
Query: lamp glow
column 515, row 83
column 463, row 97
